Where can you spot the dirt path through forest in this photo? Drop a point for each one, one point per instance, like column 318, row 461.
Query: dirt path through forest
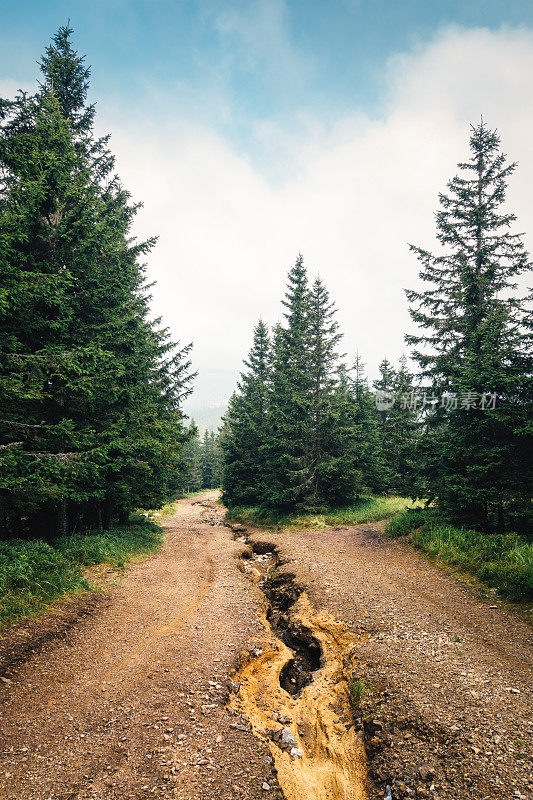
column 132, row 702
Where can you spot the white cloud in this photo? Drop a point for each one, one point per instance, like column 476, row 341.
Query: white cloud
column 350, row 198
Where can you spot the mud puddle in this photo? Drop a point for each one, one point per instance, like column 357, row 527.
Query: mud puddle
column 294, row 690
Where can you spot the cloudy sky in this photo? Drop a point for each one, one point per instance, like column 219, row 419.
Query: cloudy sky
column 255, row 129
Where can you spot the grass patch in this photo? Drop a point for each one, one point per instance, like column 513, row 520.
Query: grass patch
column 358, row 689
column 503, row 562
column 34, row 573
column 409, row 520
column 371, row 508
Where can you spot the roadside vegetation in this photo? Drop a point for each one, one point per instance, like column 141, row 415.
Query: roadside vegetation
column 36, row 573
column 502, row 561
column 370, row 508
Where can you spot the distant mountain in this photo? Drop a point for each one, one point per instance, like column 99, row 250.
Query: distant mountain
column 208, row 418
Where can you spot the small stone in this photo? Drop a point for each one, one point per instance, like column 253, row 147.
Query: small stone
column 427, row 773
column 288, row 738
column 275, row 734
column 296, row 752
column 265, row 786
column 6, row 680
column 284, row 719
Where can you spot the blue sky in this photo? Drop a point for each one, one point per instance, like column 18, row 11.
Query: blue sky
column 255, row 130
column 262, row 59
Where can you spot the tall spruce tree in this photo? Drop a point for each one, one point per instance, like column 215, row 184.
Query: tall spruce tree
column 341, row 471
column 366, row 439
column 397, row 428
column 307, row 438
column 332, row 458
column 211, row 460
column 324, row 337
column 476, row 346
column 243, row 435
column 189, row 478
column 93, row 385
column 288, row 451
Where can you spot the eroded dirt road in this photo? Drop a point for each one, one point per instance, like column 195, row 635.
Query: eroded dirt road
column 132, row 702
column 448, row 676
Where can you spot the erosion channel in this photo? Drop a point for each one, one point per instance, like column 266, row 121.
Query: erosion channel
column 294, row 688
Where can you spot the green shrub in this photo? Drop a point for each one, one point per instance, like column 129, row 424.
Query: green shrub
column 406, row 522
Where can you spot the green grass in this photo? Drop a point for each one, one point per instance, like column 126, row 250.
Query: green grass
column 358, row 689
column 503, row 562
column 371, row 508
column 34, row 573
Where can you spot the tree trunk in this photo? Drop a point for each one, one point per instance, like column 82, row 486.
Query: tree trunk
column 501, row 518
column 107, row 516
column 62, row 519
column 98, row 515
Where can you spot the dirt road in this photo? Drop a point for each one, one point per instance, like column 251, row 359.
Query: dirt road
column 447, row 676
column 132, row 702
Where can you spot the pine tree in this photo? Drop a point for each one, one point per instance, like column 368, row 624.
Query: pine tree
column 243, row 434
column 384, row 387
column 341, row 473
column 93, row 385
column 368, row 452
column 397, row 427
column 305, row 444
column 475, row 345
column 44, row 465
column 324, row 337
column 288, row 451
column 217, row 459
column 206, row 460
column 189, row 477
